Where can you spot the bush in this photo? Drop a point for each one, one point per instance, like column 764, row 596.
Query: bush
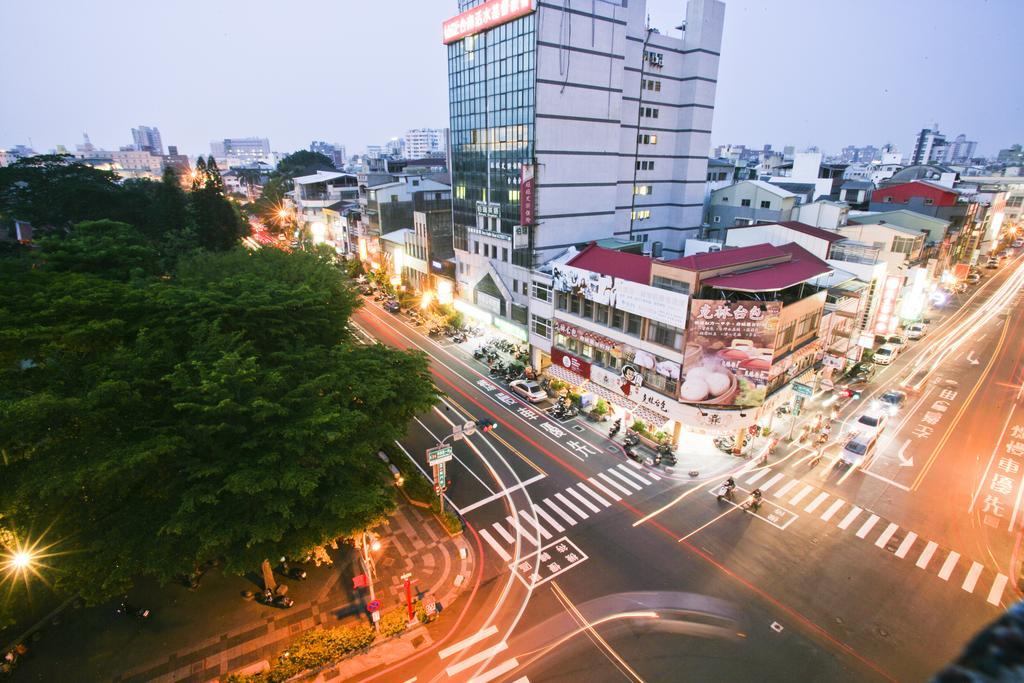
column 393, row 623
column 557, row 385
column 449, row 521
column 312, row 650
column 600, row 408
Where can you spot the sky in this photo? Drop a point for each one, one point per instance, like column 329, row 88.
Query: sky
column 800, row 72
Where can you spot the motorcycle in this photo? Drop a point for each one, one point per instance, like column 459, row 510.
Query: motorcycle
column 631, row 454
column 616, row 426
column 140, row 613
column 724, row 491
column 753, row 502
column 497, row 369
column 631, row 438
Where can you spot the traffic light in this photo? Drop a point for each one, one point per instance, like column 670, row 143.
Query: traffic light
column 485, row 425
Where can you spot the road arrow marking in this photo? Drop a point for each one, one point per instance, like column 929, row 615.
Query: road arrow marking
column 905, row 462
column 971, row 359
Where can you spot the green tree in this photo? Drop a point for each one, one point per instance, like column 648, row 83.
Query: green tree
column 53, row 192
column 105, row 248
column 302, row 163
column 218, row 223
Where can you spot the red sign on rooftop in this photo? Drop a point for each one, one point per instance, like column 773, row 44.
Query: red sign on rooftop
column 482, row 17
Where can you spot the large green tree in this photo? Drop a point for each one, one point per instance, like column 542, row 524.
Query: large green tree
column 218, row 224
column 153, row 423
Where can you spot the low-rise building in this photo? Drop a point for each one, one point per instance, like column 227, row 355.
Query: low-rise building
column 745, row 203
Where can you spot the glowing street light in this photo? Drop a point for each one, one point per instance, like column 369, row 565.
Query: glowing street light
column 21, row 560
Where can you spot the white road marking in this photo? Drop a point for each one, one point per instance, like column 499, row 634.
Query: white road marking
column 995, row 596
column 785, row 489
column 502, row 493
column 866, row 526
column 622, row 477
column 607, row 491
column 614, row 483
column 476, row 659
column 972, row 577
column 504, row 534
column 947, row 566
column 654, row 476
column 561, row 513
column 499, row 670
column 578, row 496
column 904, row 548
column 926, row 554
column 848, row 519
column 832, row 509
column 757, row 475
column 771, row 482
column 523, row 531
column 538, row 510
column 463, row 644
column 816, row 502
column 533, row 522
column 800, row 496
column 590, row 492
column 497, row 548
column 634, row 474
column 886, row 535
column 572, row 506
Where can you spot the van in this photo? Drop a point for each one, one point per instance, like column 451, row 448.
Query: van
column 915, row 331
column 886, row 354
column 859, row 450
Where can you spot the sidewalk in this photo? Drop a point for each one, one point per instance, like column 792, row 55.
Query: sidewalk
column 205, row 634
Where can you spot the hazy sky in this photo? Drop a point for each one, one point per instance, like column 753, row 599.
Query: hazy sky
column 825, row 72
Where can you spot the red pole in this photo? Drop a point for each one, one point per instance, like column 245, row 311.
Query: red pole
column 408, row 594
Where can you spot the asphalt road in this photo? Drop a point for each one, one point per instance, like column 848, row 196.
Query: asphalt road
column 843, row 575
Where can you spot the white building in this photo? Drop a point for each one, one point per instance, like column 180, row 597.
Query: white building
column 147, row 138
column 424, row 142
column 242, row 151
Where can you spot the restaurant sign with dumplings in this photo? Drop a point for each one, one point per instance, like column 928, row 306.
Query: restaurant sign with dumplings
column 736, row 341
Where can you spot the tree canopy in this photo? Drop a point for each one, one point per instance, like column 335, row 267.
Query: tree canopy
column 303, row 163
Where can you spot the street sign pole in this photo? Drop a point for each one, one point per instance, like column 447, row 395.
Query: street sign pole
column 407, row 578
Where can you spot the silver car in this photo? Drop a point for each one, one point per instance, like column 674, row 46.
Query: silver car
column 529, row 390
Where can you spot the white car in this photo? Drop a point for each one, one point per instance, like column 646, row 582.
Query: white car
column 528, row 389
column 973, row 278
column 916, row 330
column 859, row 450
column 886, row 354
column 872, row 421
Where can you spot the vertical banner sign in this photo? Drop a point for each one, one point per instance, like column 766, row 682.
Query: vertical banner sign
column 527, row 208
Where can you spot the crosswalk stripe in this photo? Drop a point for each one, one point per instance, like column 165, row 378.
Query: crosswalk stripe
column 622, row 477
column 947, row 566
column 533, row 522
column 612, row 482
column 852, row 515
column 494, row 544
column 654, row 476
column 633, row 474
column 866, row 526
column 572, row 506
column 926, row 554
column 758, row 475
column 538, row 510
column 472, row 640
column 504, row 534
column 524, row 533
column 904, row 548
column 499, row 670
column 476, row 659
column 607, row 491
column 832, row 509
column 578, row 496
column 785, row 489
column 590, row 492
column 972, row 577
column 561, row 513
column 771, row 482
column 816, row 502
column 995, row 596
column 800, row 496
column 886, row 535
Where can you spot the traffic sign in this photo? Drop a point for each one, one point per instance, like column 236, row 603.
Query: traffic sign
column 439, row 454
column 440, row 477
column 802, row 389
column 469, row 429
column 373, row 606
column 375, row 616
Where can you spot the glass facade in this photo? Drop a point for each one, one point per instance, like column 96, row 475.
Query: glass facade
column 491, row 104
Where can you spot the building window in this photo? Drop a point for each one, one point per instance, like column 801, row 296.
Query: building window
column 641, row 215
column 526, row 287
column 645, row 165
column 476, row 247
column 601, row 314
column 766, row 205
column 562, row 301
column 652, row 85
column 541, row 327
column 670, row 284
column 929, row 202
column 903, row 245
column 717, row 219
column 643, row 189
column 655, row 59
column 887, row 199
column 515, row 285
column 645, row 139
column 504, row 253
column 744, row 202
column 633, row 324
column 666, row 335
column 588, row 308
column 513, row 195
column 649, row 112
column 574, row 304
column 541, row 291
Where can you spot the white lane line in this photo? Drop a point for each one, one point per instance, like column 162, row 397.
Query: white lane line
column 578, row 496
column 502, row 493
column 654, row 476
column 995, row 596
column 561, row 513
column 590, row 492
column 816, row 502
column 886, row 535
column 476, row 659
column 612, row 482
column 622, row 477
column 866, row 526
column 773, row 481
column 848, row 519
column 607, row 491
column 947, row 566
column 926, row 554
column 533, row 522
column 800, row 496
column 538, row 510
column 904, row 548
column 832, row 509
column 499, row 670
column 572, row 506
column 463, row 644
column 785, row 489
column 504, row 534
column 633, row 474
column 757, row 475
column 497, row 548
column 524, row 533
column 972, row 577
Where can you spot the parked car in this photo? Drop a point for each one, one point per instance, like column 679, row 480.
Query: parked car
column 973, row 278
column 892, row 401
column 859, row 450
column 992, row 263
column 886, row 354
column 870, row 421
column 916, row 330
column 391, row 306
column 366, row 290
column 896, row 340
column 528, row 389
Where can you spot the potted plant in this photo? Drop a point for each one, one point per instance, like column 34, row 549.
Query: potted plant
column 599, row 412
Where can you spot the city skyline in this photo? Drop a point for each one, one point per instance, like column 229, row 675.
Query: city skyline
column 191, row 108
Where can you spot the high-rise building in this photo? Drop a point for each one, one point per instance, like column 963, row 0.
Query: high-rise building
column 332, row 150
column 395, row 148
column 961, row 150
column 424, row 142
column 569, row 126
column 241, row 151
column 929, row 148
column 145, row 138
column 374, row 151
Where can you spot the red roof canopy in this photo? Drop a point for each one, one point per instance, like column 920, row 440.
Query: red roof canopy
column 727, row 257
column 620, row 264
column 802, row 267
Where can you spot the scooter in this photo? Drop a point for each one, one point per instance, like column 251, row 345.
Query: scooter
column 616, row 426
column 632, row 454
column 140, row 613
column 724, row 491
column 753, row 502
column 282, row 601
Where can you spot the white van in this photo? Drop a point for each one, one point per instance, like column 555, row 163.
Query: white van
column 859, row 450
column 886, row 354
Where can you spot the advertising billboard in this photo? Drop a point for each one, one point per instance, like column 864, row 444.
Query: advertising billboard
column 482, row 17
column 665, row 306
column 729, row 352
column 527, row 198
column 592, row 286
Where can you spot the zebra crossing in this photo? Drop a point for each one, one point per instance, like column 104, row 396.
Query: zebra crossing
column 500, row 669
column 948, row 565
column 565, row 509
